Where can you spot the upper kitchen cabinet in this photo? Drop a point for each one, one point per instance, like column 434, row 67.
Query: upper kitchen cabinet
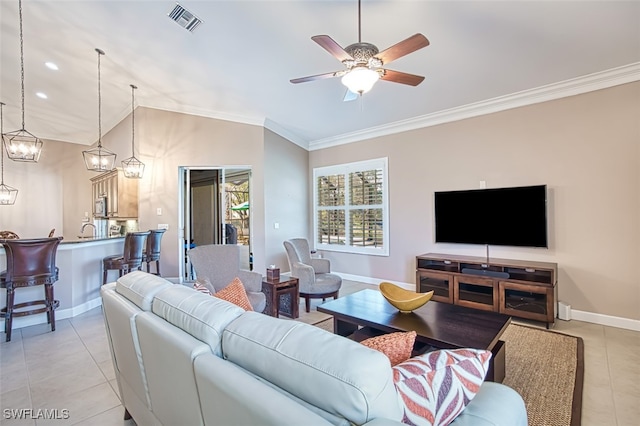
column 119, row 193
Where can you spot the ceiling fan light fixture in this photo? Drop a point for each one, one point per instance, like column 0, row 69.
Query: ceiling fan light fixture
column 360, row 79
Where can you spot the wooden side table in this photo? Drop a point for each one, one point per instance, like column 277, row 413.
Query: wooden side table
column 283, row 296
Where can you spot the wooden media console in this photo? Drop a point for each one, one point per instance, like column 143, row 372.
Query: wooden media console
column 523, row 289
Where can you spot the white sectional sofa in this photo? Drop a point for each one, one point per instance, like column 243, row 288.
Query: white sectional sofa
column 185, row 358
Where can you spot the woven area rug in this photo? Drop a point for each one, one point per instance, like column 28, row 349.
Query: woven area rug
column 546, row 368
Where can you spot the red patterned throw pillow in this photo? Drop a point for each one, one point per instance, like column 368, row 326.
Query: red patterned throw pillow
column 396, row 346
column 435, row 387
column 236, row 294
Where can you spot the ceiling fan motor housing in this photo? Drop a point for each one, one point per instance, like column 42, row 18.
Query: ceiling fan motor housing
column 362, row 54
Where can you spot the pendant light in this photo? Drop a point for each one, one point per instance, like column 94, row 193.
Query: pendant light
column 20, row 144
column 132, row 167
column 99, row 159
column 7, row 194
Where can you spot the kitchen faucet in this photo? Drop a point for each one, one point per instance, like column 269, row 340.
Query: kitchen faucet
column 84, row 225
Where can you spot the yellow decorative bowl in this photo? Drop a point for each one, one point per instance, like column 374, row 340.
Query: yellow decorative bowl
column 404, row 300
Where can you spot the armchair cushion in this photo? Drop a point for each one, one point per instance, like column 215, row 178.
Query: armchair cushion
column 216, row 265
column 320, row 266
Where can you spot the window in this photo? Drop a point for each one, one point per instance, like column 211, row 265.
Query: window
column 351, row 207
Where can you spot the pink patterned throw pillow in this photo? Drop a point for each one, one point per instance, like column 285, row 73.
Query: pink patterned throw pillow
column 201, row 288
column 435, row 387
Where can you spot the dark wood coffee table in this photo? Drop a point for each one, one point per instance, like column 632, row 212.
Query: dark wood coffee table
column 439, row 325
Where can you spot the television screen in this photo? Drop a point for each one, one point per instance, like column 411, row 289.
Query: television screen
column 514, row 216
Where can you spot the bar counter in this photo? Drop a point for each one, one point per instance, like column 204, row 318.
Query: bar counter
column 80, row 277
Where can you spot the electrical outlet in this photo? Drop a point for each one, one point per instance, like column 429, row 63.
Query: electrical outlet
column 159, row 211
column 163, row 226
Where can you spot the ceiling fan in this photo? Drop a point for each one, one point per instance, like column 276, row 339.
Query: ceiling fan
column 364, row 62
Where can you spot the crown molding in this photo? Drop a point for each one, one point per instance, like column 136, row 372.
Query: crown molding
column 575, row 86
column 281, row 131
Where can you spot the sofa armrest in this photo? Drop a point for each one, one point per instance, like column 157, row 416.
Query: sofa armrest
column 494, row 405
column 252, row 280
column 321, row 266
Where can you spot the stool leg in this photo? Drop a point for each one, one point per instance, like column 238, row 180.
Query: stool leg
column 8, row 319
column 148, row 267
column 307, row 303
column 51, row 316
column 104, row 275
column 158, row 268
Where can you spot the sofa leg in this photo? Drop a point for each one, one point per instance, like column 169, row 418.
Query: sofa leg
column 127, row 416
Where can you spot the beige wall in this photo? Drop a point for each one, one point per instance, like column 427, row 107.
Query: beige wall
column 286, row 196
column 586, row 148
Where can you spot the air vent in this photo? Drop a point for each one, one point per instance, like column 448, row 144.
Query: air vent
column 184, row 18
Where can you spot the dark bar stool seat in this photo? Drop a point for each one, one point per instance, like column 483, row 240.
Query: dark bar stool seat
column 30, row 262
column 131, row 259
column 152, row 251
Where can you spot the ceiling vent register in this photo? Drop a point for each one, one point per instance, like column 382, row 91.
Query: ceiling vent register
column 184, row 18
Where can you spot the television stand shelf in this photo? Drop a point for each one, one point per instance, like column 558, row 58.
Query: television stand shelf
column 523, row 289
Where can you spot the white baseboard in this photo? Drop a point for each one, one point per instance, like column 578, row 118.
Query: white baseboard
column 601, row 319
column 26, row 321
column 608, row 320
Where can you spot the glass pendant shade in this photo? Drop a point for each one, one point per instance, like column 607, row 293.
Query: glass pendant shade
column 132, row 167
column 22, row 145
column 360, row 79
column 8, row 194
column 99, row 159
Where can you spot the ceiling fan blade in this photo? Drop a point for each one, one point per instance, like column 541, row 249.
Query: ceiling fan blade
column 328, row 44
column 411, row 44
column 402, row 77
column 349, row 96
column 315, row 77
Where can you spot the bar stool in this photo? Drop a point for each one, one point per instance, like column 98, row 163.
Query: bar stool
column 152, row 251
column 30, row 262
column 8, row 235
column 134, row 242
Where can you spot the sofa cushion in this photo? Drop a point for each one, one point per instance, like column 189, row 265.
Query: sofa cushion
column 140, row 288
column 236, row 294
column 396, row 346
column 204, row 317
column 331, row 372
column 435, row 387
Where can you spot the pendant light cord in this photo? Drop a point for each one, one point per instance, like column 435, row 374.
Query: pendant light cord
column 21, row 60
column 100, row 53
column 2, row 145
column 133, row 121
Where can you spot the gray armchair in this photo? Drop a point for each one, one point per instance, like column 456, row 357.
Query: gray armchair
column 314, row 275
column 219, row 264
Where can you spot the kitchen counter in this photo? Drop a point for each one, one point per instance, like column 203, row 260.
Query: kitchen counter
column 76, row 240
column 80, row 278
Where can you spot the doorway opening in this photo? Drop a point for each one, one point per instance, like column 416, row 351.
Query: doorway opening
column 215, row 208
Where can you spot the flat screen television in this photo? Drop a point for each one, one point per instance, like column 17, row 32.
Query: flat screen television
column 515, row 216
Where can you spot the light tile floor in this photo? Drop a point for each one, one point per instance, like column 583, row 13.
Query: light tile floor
column 70, row 369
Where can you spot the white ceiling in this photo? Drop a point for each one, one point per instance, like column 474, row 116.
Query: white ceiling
column 238, row 63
